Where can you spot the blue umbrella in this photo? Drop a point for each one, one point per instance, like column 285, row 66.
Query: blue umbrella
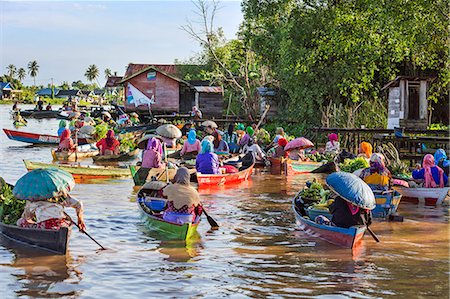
column 352, row 189
column 41, row 184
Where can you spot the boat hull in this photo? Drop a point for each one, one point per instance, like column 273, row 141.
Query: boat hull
column 386, row 204
column 425, row 196
column 37, row 139
column 170, row 230
column 289, row 167
column 82, row 172
column 72, row 156
column 222, row 179
column 43, row 114
column 344, row 237
column 55, row 241
column 121, row 157
column 158, row 173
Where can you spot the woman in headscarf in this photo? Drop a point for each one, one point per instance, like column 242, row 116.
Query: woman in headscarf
column 249, row 134
column 108, row 145
column 279, row 133
column 279, row 149
column 181, row 197
column 252, row 146
column 66, row 143
column 196, row 113
column 332, row 145
column 62, row 127
column 440, row 159
column 207, row 161
column 219, row 144
column 377, row 176
column 152, row 157
column 191, row 146
column 365, row 150
column 433, row 175
column 231, row 138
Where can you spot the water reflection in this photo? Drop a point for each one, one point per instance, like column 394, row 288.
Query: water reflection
column 42, row 274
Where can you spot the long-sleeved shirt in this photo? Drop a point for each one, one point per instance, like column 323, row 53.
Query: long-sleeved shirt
column 223, row 147
column 207, row 163
column 189, row 148
column 45, row 210
column 420, row 175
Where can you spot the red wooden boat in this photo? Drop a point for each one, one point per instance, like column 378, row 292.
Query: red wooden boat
column 221, row 179
column 37, row 139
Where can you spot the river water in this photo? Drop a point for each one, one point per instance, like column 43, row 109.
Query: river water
column 257, row 252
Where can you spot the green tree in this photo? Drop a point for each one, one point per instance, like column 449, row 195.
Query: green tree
column 11, row 70
column 33, row 70
column 92, row 73
column 108, row 73
column 21, row 74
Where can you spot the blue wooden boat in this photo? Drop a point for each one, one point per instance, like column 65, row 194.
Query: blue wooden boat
column 345, row 237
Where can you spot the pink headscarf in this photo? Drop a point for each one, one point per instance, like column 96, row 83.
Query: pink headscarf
column 427, row 164
column 333, row 137
column 155, row 144
column 65, row 135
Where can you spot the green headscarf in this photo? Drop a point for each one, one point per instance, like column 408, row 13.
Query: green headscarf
column 62, row 123
column 250, row 131
column 240, row 127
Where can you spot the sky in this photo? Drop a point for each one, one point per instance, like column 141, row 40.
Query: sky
column 66, row 37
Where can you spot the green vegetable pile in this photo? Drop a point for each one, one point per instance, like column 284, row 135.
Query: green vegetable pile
column 315, row 192
column 329, row 157
column 263, row 137
column 11, row 208
column 351, row 165
column 127, row 143
column 101, row 130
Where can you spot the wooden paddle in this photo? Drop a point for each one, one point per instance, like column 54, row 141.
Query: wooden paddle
column 83, row 231
column 211, row 221
column 369, row 230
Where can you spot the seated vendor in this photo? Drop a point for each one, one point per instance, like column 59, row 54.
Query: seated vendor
column 433, row 176
column 220, row 145
column 152, row 156
column 345, row 214
column 109, row 145
column 207, row 161
column 191, row 146
column 377, row 176
column 66, row 143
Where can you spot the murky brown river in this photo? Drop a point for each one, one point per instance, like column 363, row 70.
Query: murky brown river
column 257, row 252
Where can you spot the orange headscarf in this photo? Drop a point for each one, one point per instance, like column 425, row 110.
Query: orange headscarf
column 366, row 148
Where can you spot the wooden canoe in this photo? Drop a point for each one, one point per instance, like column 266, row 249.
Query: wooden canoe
column 289, row 167
column 81, row 171
column 39, row 114
column 169, row 230
column 140, row 175
column 72, row 156
column 120, row 157
column 37, row 139
column 425, row 196
column 55, row 241
column 221, row 179
column 344, row 237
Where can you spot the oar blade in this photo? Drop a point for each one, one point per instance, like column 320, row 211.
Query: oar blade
column 212, row 222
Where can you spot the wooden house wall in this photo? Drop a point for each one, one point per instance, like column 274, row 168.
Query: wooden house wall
column 211, row 104
column 165, row 90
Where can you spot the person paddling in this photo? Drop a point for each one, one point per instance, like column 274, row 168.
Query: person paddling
column 109, row 145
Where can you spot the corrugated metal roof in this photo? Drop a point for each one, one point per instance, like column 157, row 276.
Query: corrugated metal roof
column 208, row 89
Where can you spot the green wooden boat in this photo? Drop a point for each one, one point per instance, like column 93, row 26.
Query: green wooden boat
column 82, row 171
column 170, row 230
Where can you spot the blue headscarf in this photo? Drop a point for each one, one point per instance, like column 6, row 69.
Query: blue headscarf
column 439, row 155
column 192, row 136
column 207, row 146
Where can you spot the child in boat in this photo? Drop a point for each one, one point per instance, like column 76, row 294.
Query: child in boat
column 440, row 159
column 279, row 149
column 231, row 138
column 108, row 145
column 66, row 143
column 191, row 146
column 181, row 197
column 332, row 145
column 433, row 176
column 207, row 161
column 152, row 157
column 50, row 214
column 377, row 176
column 279, row 133
column 220, row 145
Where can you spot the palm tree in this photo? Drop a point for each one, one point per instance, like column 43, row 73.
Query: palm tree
column 11, row 70
column 21, row 74
column 108, row 73
column 91, row 73
column 33, row 69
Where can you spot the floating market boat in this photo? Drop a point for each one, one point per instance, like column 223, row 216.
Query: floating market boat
column 170, row 230
column 42, row 114
column 120, row 157
column 37, row 139
column 291, row 167
column 81, row 171
column 73, row 156
column 52, row 240
column 144, row 128
column 345, row 237
column 140, row 175
column 221, row 179
column 425, row 196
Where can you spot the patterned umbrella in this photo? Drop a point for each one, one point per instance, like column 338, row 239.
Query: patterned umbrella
column 41, row 184
column 352, row 189
column 299, row 143
column 168, row 131
column 209, row 123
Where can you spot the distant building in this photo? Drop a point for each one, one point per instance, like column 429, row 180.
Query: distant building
column 72, row 93
column 5, row 90
column 407, row 102
column 158, row 87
